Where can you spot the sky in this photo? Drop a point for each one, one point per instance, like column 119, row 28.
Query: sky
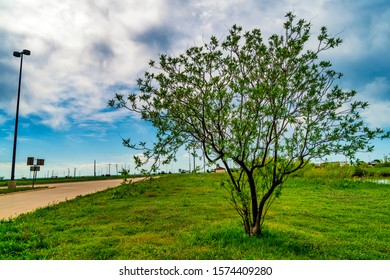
column 84, row 51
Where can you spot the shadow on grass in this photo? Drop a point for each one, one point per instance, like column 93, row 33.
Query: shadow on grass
column 230, row 242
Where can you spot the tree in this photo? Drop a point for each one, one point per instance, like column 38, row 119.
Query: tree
column 268, row 107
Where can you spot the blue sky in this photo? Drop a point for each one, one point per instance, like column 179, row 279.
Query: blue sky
column 82, row 52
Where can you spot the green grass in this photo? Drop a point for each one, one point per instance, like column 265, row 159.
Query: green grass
column 376, row 172
column 20, row 189
column 188, row 217
column 40, row 181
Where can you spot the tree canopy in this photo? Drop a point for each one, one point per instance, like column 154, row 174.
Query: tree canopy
column 268, row 106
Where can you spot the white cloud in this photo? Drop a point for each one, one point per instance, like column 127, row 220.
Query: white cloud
column 378, row 89
column 377, row 115
column 377, row 94
column 78, row 50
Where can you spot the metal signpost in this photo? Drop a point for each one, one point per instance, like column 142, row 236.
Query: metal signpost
column 35, row 167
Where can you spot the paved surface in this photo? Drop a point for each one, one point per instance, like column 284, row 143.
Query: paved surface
column 13, row 204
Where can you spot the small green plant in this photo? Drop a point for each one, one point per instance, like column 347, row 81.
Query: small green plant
column 128, row 189
column 125, row 173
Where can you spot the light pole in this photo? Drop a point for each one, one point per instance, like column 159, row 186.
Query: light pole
column 12, row 183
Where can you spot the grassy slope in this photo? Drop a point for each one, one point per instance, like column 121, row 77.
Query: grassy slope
column 40, row 181
column 187, row 217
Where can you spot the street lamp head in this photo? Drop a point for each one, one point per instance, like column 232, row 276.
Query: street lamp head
column 24, row 52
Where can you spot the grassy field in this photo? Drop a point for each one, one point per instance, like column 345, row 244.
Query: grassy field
column 40, row 181
column 188, row 217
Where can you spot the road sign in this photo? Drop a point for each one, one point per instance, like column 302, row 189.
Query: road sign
column 30, row 161
column 35, row 168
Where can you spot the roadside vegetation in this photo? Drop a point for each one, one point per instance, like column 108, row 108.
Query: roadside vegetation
column 20, row 189
column 322, row 213
column 339, row 170
column 42, row 181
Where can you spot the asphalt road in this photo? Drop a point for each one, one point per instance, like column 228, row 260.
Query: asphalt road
column 14, row 204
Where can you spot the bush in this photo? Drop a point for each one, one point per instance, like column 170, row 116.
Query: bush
column 358, row 172
column 128, row 189
column 334, row 170
column 385, row 164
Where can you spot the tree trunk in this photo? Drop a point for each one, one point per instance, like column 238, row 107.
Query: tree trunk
column 247, row 225
column 256, row 230
column 257, row 227
column 252, row 187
